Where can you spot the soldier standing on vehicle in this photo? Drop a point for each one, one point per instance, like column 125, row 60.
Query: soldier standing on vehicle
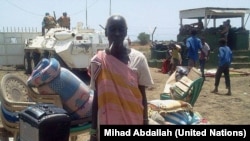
column 64, row 21
column 225, row 29
column 199, row 25
column 48, row 23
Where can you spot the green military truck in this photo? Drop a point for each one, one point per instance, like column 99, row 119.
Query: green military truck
column 212, row 17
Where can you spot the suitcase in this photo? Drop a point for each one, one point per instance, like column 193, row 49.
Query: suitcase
column 44, row 122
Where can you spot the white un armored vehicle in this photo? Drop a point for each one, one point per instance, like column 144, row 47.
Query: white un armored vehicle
column 72, row 48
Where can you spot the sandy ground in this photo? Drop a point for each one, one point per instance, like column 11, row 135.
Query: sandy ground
column 216, row 108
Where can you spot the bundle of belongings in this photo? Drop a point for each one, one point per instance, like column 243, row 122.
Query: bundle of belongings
column 50, row 78
column 173, row 112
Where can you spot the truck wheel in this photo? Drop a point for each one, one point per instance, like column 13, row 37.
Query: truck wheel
column 27, row 63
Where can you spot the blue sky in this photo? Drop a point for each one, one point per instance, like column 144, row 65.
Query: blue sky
column 141, row 15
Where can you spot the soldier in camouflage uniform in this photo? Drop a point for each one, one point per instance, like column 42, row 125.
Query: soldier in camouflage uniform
column 64, row 21
column 48, row 23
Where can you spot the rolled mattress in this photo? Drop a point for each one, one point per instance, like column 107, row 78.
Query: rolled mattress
column 50, row 78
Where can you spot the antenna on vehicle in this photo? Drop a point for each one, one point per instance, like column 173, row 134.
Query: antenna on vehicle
column 86, row 14
column 109, row 7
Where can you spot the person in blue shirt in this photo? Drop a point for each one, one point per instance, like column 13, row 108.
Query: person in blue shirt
column 193, row 44
column 225, row 58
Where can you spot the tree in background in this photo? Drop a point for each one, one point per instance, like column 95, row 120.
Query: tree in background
column 144, row 38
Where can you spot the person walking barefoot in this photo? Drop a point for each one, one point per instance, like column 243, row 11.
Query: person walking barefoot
column 225, row 59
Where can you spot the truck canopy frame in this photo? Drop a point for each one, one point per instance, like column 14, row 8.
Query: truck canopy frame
column 214, row 13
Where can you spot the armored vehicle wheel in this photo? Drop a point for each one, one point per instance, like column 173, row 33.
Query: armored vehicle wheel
column 31, row 59
column 27, row 63
column 33, row 65
column 35, row 59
